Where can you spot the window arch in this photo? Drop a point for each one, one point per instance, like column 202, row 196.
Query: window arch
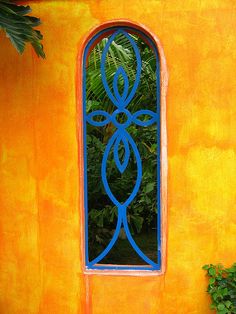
column 123, row 97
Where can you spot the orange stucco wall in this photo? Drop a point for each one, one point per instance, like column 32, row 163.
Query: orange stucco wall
column 40, row 239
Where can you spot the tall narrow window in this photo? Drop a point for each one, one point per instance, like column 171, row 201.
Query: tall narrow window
column 122, row 145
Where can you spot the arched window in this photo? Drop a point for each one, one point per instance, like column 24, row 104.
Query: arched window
column 123, row 159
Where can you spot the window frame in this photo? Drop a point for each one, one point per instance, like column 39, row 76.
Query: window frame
column 84, row 50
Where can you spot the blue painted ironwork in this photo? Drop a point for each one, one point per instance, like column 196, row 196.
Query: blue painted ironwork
column 121, row 137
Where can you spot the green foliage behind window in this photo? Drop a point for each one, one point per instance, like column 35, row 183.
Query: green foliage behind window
column 142, row 212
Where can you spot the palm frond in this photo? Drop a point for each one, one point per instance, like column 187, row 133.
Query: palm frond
column 19, row 27
column 121, row 53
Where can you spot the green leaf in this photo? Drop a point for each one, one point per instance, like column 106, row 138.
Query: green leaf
column 149, row 187
column 205, row 267
column 228, row 303
column 211, row 281
column 212, row 271
column 100, row 220
column 17, row 43
column 215, row 296
column 138, row 222
column 212, row 307
column 17, row 9
column 221, row 307
column 225, row 291
column 19, row 27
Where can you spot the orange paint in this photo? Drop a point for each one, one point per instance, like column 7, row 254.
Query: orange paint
column 41, row 262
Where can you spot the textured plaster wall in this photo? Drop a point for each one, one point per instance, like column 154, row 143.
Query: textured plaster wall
column 40, row 261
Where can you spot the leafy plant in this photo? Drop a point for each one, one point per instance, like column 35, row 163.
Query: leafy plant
column 19, row 27
column 141, row 213
column 222, row 288
column 122, row 54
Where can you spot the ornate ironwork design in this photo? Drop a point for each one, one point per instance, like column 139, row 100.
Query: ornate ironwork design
column 122, row 137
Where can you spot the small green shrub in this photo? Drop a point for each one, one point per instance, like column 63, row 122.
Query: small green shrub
column 222, row 288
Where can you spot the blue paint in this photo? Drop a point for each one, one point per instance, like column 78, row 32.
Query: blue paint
column 121, row 136
column 121, row 125
column 147, row 122
column 139, row 171
column 121, row 98
column 123, row 103
column 98, row 113
column 121, row 165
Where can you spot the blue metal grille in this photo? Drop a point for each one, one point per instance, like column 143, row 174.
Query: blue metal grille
column 122, row 137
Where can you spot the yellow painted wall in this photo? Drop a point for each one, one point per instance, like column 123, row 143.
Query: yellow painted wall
column 40, row 262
